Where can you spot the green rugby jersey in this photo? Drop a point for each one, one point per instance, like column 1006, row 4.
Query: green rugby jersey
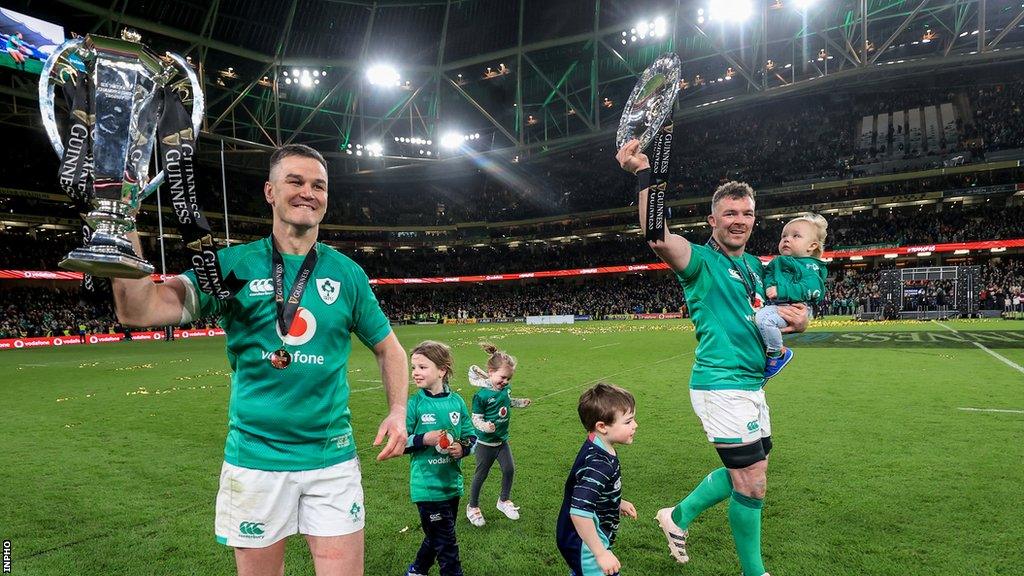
column 495, row 406
column 435, row 476
column 730, row 352
column 797, row 278
column 296, row 418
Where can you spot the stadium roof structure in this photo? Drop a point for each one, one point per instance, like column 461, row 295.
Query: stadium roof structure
column 527, row 77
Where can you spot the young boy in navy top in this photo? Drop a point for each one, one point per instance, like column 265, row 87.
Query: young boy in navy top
column 592, row 501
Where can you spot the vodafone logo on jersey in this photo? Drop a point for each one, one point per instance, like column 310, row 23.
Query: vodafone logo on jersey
column 302, row 330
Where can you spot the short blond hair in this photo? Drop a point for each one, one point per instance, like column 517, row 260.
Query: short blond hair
column 820, row 225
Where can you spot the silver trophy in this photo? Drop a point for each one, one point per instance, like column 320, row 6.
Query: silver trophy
column 651, row 102
column 124, row 86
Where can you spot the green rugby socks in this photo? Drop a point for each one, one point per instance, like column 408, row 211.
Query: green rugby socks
column 714, row 488
column 745, row 520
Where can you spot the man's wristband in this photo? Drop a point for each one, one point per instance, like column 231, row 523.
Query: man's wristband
column 643, row 179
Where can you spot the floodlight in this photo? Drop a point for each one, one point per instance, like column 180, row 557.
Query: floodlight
column 660, row 27
column 382, row 75
column 375, row 148
column 737, row 11
column 451, row 140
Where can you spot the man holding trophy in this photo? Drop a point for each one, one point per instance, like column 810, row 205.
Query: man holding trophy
column 723, row 288
column 288, row 304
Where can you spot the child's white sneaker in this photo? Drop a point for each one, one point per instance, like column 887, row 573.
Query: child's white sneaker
column 476, row 517
column 509, row 509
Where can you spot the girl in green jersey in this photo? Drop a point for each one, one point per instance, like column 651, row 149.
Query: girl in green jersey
column 491, row 415
column 440, row 435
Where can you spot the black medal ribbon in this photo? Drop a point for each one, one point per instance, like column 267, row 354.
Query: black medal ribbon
column 660, row 157
column 286, row 309
column 749, row 284
column 177, row 152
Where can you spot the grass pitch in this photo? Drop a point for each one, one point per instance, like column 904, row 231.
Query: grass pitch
column 897, row 451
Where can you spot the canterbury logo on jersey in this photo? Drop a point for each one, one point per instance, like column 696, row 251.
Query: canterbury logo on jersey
column 261, row 287
column 428, row 419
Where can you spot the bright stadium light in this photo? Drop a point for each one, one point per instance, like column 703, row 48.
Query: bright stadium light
column 383, row 75
column 803, row 5
column 660, row 27
column 737, row 11
column 451, row 140
column 375, row 149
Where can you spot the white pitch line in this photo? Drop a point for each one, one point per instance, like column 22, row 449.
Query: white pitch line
column 992, row 410
column 605, row 345
column 995, row 354
column 366, row 389
column 596, row 380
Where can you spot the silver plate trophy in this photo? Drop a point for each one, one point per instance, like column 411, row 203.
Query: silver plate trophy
column 124, row 86
column 651, row 102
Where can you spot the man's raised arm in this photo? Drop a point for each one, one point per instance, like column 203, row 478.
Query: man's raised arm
column 141, row 302
column 674, row 250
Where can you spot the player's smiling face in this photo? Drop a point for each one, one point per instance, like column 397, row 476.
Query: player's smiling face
column 297, row 191
column 501, row 377
column 425, row 373
column 732, row 221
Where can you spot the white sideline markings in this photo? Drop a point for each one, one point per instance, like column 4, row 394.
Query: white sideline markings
column 366, row 389
column 604, row 346
column 995, row 354
column 992, row 410
column 596, row 380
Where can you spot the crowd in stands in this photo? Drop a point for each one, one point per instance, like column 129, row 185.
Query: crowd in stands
column 1002, row 286
column 31, row 311
column 594, row 296
column 42, row 250
column 40, row 311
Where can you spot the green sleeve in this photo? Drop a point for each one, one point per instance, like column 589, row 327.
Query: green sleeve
column 806, row 285
column 199, row 304
column 695, row 265
column 369, row 322
column 695, row 278
column 479, row 405
column 771, row 271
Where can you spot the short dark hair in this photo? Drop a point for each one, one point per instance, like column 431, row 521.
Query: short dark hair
column 601, row 402
column 295, row 150
column 732, row 189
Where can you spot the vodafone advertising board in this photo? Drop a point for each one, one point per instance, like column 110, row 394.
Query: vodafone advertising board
column 55, row 341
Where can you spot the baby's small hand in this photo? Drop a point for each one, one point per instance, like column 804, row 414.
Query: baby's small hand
column 772, row 292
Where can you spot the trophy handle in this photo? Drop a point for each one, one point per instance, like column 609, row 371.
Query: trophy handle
column 46, row 85
column 198, row 109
